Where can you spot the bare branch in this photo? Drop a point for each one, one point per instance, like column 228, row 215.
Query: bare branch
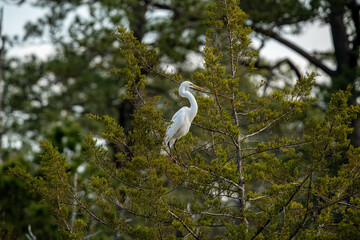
column 277, row 65
column 296, row 48
column 161, row 6
column 348, row 204
column 183, row 223
column 93, row 234
column 87, row 209
column 292, row 66
column 31, row 235
column 256, row 198
column 212, row 214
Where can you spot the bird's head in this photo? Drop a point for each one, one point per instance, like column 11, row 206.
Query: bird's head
column 189, row 85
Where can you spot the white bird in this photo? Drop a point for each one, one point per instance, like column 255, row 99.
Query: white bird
column 181, row 121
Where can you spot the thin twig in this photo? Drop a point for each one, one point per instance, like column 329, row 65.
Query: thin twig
column 261, row 228
column 256, row 198
column 209, row 129
column 183, row 223
column 216, row 175
column 214, row 214
column 73, row 213
column 307, row 210
column 93, row 234
column 276, row 148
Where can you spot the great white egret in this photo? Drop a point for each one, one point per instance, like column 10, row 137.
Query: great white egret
column 181, row 121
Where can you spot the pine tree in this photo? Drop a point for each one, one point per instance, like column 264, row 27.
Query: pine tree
column 342, row 19
column 254, row 168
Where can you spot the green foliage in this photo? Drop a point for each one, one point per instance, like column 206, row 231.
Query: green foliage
column 258, row 168
column 273, row 20
column 20, row 209
column 54, row 183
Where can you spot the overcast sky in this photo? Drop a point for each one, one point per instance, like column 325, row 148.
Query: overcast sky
column 315, row 37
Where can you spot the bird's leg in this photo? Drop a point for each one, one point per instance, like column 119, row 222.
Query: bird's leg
column 169, row 148
column 177, row 155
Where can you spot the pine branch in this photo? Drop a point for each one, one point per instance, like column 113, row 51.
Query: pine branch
column 101, row 164
column 261, row 228
column 82, row 205
column 157, row 72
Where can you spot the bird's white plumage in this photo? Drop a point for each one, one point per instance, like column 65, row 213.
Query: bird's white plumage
column 180, row 126
column 181, row 121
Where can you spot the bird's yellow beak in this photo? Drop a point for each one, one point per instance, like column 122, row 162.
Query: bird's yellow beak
column 197, row 88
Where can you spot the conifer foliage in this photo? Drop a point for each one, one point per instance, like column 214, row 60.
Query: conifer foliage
column 257, row 168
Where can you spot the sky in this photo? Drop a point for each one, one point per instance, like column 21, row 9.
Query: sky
column 315, row 37
column 14, row 20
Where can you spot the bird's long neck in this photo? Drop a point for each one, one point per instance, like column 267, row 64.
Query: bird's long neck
column 192, row 100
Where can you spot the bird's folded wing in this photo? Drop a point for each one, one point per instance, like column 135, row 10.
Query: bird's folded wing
column 177, row 121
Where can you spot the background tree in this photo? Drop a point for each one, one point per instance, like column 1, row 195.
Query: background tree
column 258, row 168
column 340, row 64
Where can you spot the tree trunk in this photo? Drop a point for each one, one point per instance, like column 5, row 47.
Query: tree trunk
column 137, row 25
column 346, row 59
column 340, row 40
column 354, row 58
column 127, row 108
